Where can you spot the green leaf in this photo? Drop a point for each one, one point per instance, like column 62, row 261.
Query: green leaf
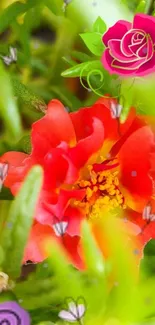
column 95, row 264
column 141, row 7
column 99, row 26
column 80, row 56
column 27, row 96
column 16, row 231
column 56, row 6
column 126, row 98
column 94, row 42
column 81, row 69
column 8, row 108
column 24, row 144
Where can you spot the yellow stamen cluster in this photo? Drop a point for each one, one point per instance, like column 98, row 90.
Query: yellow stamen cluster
column 102, row 191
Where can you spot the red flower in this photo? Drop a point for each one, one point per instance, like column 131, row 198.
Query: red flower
column 91, row 163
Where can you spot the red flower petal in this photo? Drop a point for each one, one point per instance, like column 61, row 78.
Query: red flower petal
column 82, row 120
column 134, row 158
column 63, row 169
column 52, row 129
column 18, row 167
column 147, row 229
column 137, row 123
column 35, row 249
column 74, row 218
column 55, row 207
column 85, row 148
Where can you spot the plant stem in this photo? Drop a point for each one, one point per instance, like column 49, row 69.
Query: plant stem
column 149, row 7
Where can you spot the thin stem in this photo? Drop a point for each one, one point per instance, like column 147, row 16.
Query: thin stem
column 149, row 7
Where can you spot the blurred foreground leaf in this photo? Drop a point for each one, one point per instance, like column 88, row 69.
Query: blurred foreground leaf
column 19, row 221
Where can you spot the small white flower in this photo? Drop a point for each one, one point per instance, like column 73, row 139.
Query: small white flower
column 60, row 228
column 3, row 173
column 116, row 110
column 74, row 313
column 147, row 215
column 12, row 57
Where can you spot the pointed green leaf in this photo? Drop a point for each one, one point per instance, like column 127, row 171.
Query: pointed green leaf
column 16, row 231
column 141, row 7
column 27, row 96
column 8, row 108
column 81, row 69
column 93, row 256
column 82, row 57
column 94, row 42
column 60, row 265
column 99, row 26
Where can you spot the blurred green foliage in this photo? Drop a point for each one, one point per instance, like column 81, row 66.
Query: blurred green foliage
column 55, row 55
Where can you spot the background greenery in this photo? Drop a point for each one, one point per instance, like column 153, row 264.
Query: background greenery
column 55, row 56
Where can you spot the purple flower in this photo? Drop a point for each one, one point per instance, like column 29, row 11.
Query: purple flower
column 12, row 314
column 130, row 47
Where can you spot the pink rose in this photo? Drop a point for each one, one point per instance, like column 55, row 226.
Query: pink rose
column 130, row 47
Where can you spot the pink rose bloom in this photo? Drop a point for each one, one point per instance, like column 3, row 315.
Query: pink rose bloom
column 130, row 47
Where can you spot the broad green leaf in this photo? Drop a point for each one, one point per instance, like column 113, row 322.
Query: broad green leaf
column 81, row 69
column 20, row 218
column 8, row 108
column 94, row 42
column 27, row 96
column 68, row 282
column 99, row 26
column 143, row 95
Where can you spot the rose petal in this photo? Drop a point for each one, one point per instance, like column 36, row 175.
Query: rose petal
column 116, row 53
column 117, row 31
column 147, row 68
column 128, row 39
column 146, row 23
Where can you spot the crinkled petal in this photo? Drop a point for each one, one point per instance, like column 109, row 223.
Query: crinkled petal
column 58, row 169
column 134, row 158
column 19, row 163
column 53, row 128
column 35, row 250
column 86, row 147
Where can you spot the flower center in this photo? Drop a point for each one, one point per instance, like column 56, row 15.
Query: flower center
column 102, row 191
